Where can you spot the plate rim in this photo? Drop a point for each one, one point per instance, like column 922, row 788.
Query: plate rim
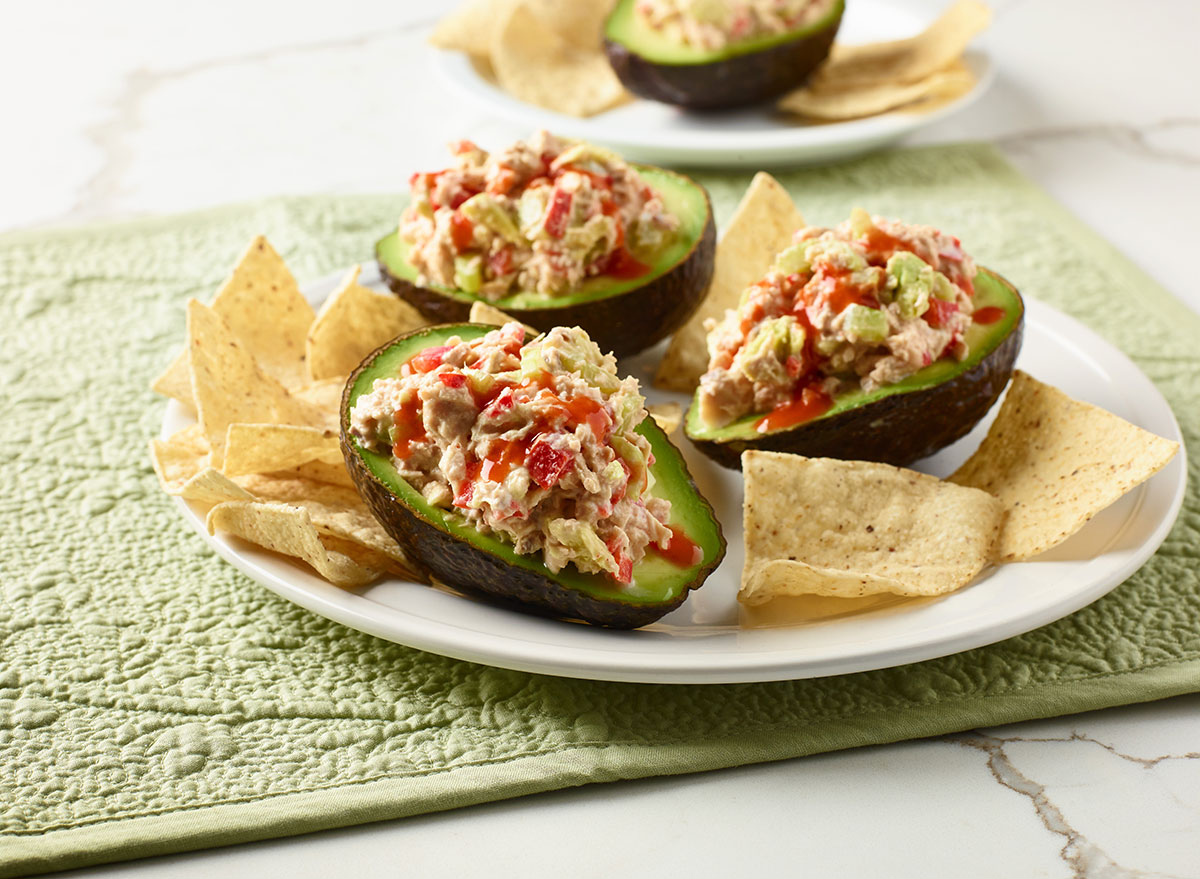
column 633, row 666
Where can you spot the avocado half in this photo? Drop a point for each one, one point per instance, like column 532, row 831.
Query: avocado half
column 622, row 316
column 458, row 555
column 900, row 423
column 653, row 66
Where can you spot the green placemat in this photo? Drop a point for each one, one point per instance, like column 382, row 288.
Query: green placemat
column 152, row 699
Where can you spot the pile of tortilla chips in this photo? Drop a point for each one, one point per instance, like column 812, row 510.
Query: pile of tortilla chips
column 545, row 52
column 851, row 529
column 920, row 73
column 264, row 376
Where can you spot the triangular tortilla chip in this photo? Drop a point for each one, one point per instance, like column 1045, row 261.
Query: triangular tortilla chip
column 854, row 528
column 288, row 530
column 868, row 100
column 228, row 384
column 352, row 323
column 761, row 226
column 536, row 65
column 265, row 448
column 1055, row 462
column 908, row 60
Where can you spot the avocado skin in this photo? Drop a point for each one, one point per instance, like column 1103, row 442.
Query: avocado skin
column 624, row 324
column 730, row 82
column 462, row 565
column 898, row 429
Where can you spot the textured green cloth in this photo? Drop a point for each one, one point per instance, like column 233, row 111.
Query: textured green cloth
column 153, row 699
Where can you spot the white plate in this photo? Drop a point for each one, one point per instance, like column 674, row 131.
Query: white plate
column 756, row 137
column 703, row 641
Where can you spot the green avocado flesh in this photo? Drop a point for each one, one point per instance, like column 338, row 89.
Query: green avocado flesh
column 624, row 26
column 982, row 340
column 681, row 197
column 655, row 580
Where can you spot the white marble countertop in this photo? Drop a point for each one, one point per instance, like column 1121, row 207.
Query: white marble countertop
column 136, row 107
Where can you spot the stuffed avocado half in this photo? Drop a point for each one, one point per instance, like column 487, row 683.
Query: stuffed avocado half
column 556, row 233
column 718, row 55
column 874, row 340
column 516, row 470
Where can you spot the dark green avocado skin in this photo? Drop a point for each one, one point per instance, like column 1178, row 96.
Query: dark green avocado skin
column 897, row 429
column 472, row 569
column 727, row 83
column 624, row 324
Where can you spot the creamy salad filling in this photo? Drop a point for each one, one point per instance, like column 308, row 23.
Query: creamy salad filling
column 862, row 305
column 716, row 24
column 541, row 216
column 533, row 442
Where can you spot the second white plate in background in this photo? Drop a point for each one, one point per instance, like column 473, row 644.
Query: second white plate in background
column 756, row 137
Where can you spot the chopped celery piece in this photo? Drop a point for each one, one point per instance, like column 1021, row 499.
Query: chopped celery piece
column 864, row 324
column 468, row 273
column 486, row 211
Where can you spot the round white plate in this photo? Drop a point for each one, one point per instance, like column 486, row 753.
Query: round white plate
column 705, row 640
column 647, row 131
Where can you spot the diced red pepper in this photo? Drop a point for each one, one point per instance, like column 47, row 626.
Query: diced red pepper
column 559, row 213
column 462, row 231
column 547, row 464
column 459, row 147
column 600, row 422
column 500, row 262
column 452, row 379
column 462, row 497
column 623, row 264
column 461, row 196
column 794, row 366
column 940, row 312
column 503, row 403
column 624, row 562
column 429, row 359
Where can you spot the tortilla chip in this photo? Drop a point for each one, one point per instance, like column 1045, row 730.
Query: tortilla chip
column 176, row 461
column 1055, row 462
column 176, row 382
column 264, row 448
column 319, row 471
column 482, row 313
column 868, row 100
column 580, row 22
column 536, row 65
column 908, row 60
column 262, row 305
column 228, row 384
column 469, row 28
column 852, row 528
column 288, row 530
column 352, row 323
column 667, row 416
column 761, row 226
column 211, row 486
column 334, row 510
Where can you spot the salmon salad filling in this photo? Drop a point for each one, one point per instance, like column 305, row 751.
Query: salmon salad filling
column 859, row 306
column 533, row 442
column 541, row 216
column 716, row 24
